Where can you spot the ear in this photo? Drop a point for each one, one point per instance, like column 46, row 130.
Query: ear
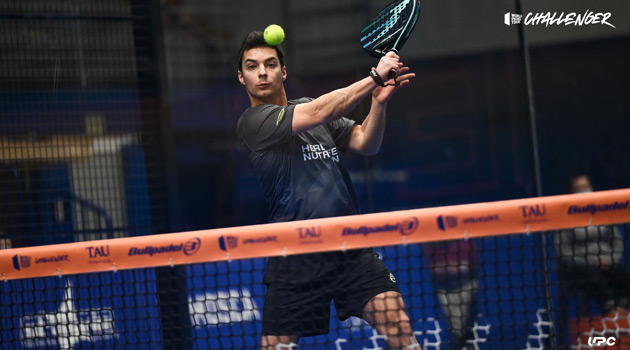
column 240, row 77
column 284, row 73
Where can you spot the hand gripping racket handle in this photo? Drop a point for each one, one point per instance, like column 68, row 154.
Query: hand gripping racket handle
column 390, row 29
column 392, row 73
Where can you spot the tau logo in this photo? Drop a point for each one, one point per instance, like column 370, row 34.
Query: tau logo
column 310, row 232
column 98, row 252
column 537, row 210
column 601, row 341
column 310, row 235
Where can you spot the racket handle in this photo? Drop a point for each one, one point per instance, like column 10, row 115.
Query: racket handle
column 392, row 73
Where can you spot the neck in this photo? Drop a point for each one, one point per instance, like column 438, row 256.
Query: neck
column 277, row 99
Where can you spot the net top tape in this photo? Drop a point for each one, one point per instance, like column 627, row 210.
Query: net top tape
column 318, row 235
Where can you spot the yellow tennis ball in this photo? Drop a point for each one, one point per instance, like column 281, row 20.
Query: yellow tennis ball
column 274, row 34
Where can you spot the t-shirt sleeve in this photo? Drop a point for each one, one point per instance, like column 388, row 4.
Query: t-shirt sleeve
column 265, row 126
column 341, row 129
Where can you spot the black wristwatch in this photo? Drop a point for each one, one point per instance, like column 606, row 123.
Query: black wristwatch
column 377, row 78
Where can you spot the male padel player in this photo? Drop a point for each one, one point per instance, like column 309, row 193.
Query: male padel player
column 295, row 149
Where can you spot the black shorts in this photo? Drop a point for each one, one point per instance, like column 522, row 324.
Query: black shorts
column 300, row 288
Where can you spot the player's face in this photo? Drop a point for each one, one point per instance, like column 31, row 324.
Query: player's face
column 262, row 74
column 582, row 184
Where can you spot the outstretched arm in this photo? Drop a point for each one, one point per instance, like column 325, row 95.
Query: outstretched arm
column 339, row 103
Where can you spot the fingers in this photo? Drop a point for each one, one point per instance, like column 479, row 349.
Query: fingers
column 383, row 94
column 390, row 64
column 387, row 63
column 403, row 70
column 404, row 79
column 392, row 54
column 404, row 76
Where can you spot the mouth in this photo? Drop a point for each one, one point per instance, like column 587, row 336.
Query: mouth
column 263, row 86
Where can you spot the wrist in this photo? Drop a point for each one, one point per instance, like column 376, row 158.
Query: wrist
column 378, row 104
column 377, row 78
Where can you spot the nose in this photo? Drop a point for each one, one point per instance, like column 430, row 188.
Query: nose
column 261, row 70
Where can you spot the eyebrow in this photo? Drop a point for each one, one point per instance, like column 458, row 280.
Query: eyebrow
column 266, row 60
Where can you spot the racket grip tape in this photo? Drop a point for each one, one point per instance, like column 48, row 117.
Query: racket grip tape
column 392, row 73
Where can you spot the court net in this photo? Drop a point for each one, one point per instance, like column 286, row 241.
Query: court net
column 538, row 273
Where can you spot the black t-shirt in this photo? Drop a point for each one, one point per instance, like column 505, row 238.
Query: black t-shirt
column 303, row 176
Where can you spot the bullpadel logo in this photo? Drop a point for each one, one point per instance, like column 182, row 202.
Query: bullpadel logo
column 190, row 247
column 405, row 227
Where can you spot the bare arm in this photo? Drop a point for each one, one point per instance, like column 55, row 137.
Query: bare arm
column 331, row 106
column 366, row 139
column 336, row 104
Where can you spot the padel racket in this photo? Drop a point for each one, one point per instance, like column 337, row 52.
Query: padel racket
column 390, row 28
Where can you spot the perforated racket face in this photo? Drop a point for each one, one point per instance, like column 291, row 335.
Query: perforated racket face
column 390, row 28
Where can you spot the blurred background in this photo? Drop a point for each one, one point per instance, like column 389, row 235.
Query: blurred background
column 118, row 117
